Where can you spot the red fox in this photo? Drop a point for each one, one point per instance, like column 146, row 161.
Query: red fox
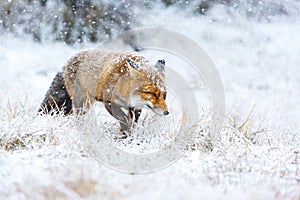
column 119, row 80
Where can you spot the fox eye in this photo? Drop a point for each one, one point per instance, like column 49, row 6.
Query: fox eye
column 152, row 94
column 155, row 95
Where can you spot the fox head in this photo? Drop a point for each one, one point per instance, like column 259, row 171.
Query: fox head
column 148, row 86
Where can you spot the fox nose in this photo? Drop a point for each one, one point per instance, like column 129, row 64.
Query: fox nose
column 166, row 112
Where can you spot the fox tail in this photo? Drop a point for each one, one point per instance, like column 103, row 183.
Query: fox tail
column 57, row 98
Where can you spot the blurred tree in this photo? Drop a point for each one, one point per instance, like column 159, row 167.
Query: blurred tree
column 70, row 21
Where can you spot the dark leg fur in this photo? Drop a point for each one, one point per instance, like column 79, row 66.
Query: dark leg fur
column 137, row 113
column 125, row 120
column 57, row 98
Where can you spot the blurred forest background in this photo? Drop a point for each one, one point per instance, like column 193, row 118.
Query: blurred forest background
column 77, row 21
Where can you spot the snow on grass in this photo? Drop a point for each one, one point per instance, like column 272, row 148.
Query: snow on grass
column 256, row 157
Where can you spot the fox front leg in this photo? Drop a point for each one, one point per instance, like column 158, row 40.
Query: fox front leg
column 116, row 111
column 137, row 113
column 134, row 113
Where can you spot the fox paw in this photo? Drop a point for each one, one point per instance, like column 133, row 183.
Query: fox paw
column 122, row 135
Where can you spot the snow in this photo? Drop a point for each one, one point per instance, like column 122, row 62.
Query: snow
column 259, row 65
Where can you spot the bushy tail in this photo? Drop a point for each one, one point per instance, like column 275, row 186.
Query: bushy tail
column 57, row 98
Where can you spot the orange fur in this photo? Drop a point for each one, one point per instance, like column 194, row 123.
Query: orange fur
column 109, row 77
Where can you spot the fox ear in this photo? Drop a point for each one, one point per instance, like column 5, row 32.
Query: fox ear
column 133, row 64
column 160, row 64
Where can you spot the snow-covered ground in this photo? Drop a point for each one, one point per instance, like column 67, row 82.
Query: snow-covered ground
column 257, row 156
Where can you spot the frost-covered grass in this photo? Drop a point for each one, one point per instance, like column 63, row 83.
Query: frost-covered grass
column 256, row 156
